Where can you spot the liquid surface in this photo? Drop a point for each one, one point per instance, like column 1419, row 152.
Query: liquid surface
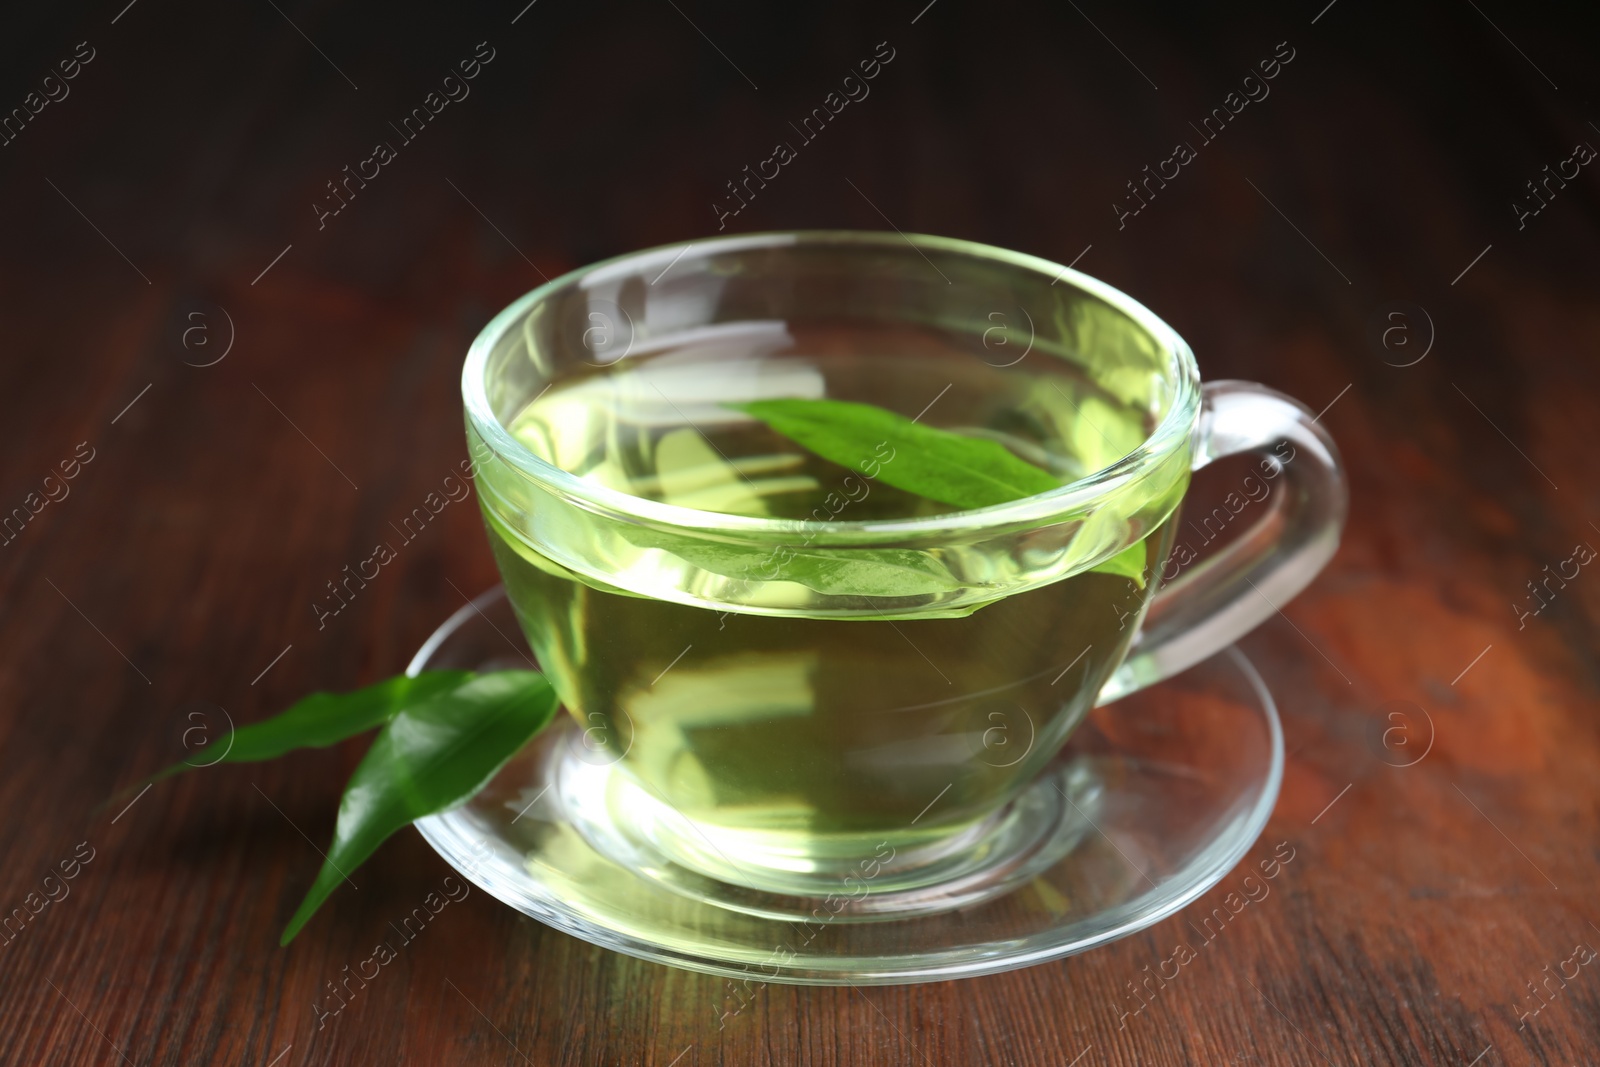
column 659, row 426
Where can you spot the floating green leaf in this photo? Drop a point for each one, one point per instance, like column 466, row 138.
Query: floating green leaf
column 965, row 472
column 951, row 468
column 432, row 756
column 324, row 719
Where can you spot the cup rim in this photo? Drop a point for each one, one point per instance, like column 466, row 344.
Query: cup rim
column 1174, row 427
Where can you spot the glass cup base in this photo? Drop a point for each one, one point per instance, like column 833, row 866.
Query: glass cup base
column 621, row 820
column 1150, row 804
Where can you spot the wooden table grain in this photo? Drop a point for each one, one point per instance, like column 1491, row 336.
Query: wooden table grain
column 227, row 368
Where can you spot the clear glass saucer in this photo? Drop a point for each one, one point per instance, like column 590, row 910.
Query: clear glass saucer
column 1156, row 797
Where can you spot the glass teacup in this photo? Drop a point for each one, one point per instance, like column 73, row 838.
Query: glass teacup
column 786, row 672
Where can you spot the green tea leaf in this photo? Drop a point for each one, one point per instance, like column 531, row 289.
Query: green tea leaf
column 1129, row 563
column 430, row 757
column 324, row 719
column 965, row 472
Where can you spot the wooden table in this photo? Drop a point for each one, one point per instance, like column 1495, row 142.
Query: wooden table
column 248, row 386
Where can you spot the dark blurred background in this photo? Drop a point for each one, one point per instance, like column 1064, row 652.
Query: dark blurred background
column 263, row 390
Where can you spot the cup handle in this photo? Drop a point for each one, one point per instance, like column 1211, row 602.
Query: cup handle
column 1215, row 601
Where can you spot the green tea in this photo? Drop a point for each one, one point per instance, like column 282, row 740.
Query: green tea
column 797, row 699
